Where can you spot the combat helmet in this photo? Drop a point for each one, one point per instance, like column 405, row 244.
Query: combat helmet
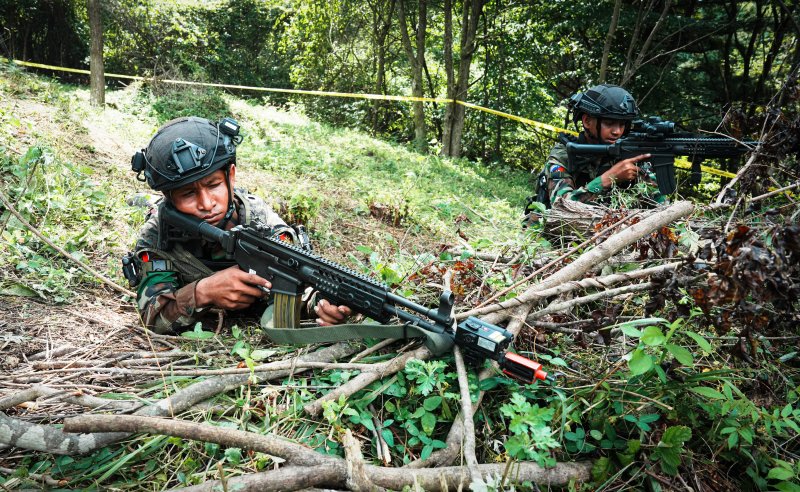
column 605, row 101
column 186, row 149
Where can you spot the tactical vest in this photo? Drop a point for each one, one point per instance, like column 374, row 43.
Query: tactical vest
column 189, row 264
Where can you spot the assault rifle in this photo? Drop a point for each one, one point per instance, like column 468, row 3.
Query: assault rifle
column 661, row 139
column 291, row 269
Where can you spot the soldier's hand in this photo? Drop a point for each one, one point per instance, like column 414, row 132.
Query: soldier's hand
column 231, row 288
column 623, row 171
column 330, row 314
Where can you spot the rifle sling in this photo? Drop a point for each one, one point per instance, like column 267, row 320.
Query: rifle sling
column 437, row 343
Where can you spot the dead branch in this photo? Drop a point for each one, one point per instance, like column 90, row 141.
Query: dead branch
column 466, row 415
column 286, row 479
column 25, row 435
column 431, row 480
column 11, row 483
column 597, row 282
column 273, row 366
column 366, row 378
column 291, row 452
column 577, row 269
column 392, row 478
column 555, row 261
column 723, row 193
column 357, row 479
column 74, row 397
column 566, row 305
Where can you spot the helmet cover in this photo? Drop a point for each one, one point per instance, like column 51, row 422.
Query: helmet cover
column 605, row 101
column 187, row 149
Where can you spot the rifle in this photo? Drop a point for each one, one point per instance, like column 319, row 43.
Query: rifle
column 291, row 269
column 660, row 139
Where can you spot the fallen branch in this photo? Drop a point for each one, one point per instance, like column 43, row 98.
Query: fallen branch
column 566, row 305
column 74, row 397
column 589, row 259
column 430, row 480
column 391, row 478
column 286, row 479
column 290, row 451
column 25, row 435
column 466, row 415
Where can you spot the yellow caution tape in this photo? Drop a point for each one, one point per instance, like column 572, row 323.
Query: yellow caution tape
column 535, row 124
column 682, row 163
column 241, row 87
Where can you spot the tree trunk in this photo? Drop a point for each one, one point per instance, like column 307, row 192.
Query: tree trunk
column 454, row 116
column 382, row 13
column 612, row 29
column 96, row 69
column 416, row 58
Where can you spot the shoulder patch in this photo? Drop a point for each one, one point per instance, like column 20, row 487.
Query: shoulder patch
column 557, row 168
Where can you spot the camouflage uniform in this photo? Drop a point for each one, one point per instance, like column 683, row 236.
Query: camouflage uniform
column 584, row 183
column 166, row 292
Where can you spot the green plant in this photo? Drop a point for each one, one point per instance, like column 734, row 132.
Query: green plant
column 669, row 449
column 532, row 437
column 177, row 101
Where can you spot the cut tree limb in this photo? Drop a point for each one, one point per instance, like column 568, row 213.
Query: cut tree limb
column 293, row 453
column 430, row 480
column 611, row 246
column 25, row 435
column 466, row 415
column 391, row 478
column 563, row 306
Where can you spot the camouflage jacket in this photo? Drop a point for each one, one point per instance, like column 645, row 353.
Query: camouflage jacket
column 166, row 292
column 583, row 183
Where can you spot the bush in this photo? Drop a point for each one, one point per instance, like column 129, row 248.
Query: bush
column 190, row 101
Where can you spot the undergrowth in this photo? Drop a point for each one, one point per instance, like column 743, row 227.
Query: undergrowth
column 670, row 399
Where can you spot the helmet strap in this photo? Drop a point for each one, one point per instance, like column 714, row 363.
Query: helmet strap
column 231, row 207
column 596, row 135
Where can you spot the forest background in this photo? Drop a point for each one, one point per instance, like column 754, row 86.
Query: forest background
column 684, row 381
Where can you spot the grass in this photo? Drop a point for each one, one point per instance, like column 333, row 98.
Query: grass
column 388, row 211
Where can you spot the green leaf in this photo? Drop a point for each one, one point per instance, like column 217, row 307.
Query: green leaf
column 704, row 345
column 643, row 321
column 426, row 452
column 787, row 410
column 707, row 392
column 676, row 435
column 631, row 331
column 653, row 336
column 198, row 333
column 640, row 362
column 489, row 383
column 428, row 422
column 18, row 290
column 733, row 440
column 261, row 354
column 432, row 403
column 681, row 354
column 596, row 434
column 233, row 455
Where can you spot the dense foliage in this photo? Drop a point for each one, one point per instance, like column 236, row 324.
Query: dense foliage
column 694, row 382
column 691, row 62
